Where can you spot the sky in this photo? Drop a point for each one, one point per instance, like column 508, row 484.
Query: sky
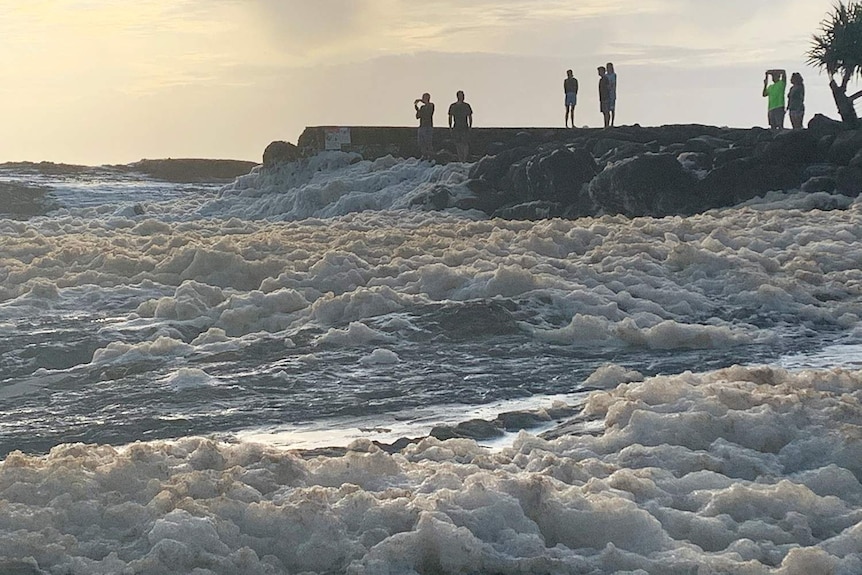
column 115, row 81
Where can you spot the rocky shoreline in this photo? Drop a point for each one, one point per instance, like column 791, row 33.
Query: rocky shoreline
column 536, row 173
column 671, row 170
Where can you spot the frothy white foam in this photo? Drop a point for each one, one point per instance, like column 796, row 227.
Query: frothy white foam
column 743, row 470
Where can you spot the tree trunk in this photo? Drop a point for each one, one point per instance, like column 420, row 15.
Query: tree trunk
column 845, row 105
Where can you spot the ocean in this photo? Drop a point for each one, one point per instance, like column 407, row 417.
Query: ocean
column 309, row 370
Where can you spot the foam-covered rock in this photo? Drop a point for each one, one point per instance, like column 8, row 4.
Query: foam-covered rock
column 652, row 184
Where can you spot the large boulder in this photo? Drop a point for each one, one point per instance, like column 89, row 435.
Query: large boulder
column 821, row 125
column 744, row 179
column 558, row 175
column 648, row 185
column 793, row 147
column 849, row 181
column 492, row 169
column 280, row 152
column 845, row 146
column 724, row 156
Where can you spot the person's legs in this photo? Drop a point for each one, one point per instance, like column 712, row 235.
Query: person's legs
column 796, row 120
column 776, row 118
column 426, row 147
column 462, row 149
column 462, row 143
column 613, row 111
column 773, row 121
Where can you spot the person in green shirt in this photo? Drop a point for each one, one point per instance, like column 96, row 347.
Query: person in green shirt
column 775, row 94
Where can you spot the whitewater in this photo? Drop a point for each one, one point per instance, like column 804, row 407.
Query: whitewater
column 260, row 378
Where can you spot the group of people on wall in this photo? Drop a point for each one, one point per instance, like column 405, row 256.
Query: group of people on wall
column 607, row 95
column 793, row 104
column 461, row 113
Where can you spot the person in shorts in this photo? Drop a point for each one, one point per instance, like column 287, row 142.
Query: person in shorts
column 570, row 89
column 425, row 115
column 460, row 123
column 775, row 94
column 796, row 101
column 612, row 92
column 604, row 95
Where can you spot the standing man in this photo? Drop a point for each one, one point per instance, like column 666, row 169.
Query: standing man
column 425, row 115
column 570, row 89
column 460, row 123
column 775, row 94
column 612, row 91
column 604, row 95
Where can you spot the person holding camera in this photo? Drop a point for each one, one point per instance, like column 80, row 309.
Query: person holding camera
column 425, row 114
column 775, row 93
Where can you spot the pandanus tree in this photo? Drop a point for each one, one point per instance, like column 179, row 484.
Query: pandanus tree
column 837, row 48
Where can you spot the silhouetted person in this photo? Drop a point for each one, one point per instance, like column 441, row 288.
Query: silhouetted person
column 604, row 95
column 460, row 123
column 612, row 91
column 775, row 93
column 570, row 89
column 796, row 101
column 425, row 115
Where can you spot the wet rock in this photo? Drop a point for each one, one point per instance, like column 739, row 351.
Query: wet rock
column 819, row 184
column 280, row 152
column 814, row 170
column 438, row 198
column 845, row 147
column 624, row 152
column 821, row 125
column 559, row 174
column 705, row 144
column 476, row 429
column 530, row 211
column 517, row 420
column 790, row 148
column 848, row 181
column 695, row 161
column 468, row 320
column 648, row 185
column 724, row 156
column 26, row 566
column 192, row 170
column 605, row 146
column 744, row 179
column 492, row 169
column 22, row 201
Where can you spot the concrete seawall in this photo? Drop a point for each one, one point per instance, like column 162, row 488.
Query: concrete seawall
column 378, row 141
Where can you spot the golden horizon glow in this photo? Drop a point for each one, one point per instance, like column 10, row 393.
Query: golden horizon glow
column 112, row 81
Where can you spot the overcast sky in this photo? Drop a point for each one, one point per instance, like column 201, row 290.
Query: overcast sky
column 115, row 81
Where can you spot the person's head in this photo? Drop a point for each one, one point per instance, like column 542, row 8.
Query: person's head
column 610, row 68
column 796, row 78
column 460, row 95
column 426, row 97
column 569, row 73
column 602, row 70
column 776, row 76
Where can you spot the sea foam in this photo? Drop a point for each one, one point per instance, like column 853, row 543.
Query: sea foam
column 744, row 470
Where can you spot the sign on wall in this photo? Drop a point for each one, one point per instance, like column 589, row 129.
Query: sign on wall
column 336, row 137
